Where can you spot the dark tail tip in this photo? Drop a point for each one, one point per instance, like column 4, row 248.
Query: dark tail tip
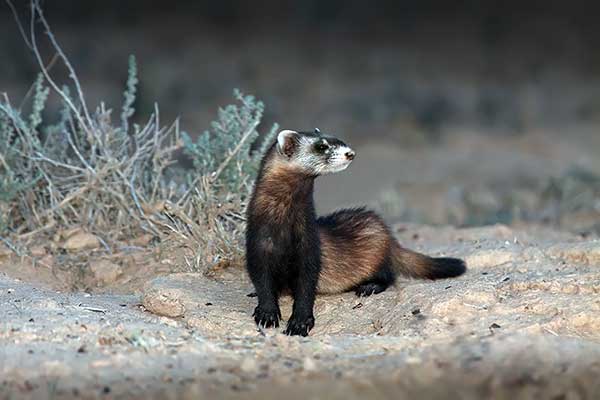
column 446, row 267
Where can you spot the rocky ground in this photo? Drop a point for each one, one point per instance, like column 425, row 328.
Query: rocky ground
column 524, row 322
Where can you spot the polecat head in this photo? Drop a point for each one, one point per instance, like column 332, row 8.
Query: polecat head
column 313, row 153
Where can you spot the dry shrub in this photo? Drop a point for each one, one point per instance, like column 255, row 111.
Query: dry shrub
column 119, row 180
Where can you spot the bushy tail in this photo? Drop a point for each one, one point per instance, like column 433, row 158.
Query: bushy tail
column 417, row 265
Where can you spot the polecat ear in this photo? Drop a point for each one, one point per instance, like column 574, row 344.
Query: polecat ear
column 287, row 141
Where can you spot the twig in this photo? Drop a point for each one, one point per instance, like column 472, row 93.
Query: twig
column 93, row 309
column 41, row 157
column 215, row 175
column 38, row 56
column 475, row 306
column 68, row 199
column 66, row 61
column 76, row 150
column 175, row 344
column 19, row 24
column 134, row 195
column 48, row 67
column 4, row 163
column 103, row 242
column 550, row 331
column 11, row 246
column 237, row 148
column 43, row 228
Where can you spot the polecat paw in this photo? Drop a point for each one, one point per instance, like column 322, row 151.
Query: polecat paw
column 368, row 289
column 299, row 325
column 267, row 318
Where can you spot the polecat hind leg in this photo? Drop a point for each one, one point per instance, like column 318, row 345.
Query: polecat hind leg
column 369, row 288
column 380, row 281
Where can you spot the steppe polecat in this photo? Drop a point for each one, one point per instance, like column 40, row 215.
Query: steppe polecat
column 290, row 249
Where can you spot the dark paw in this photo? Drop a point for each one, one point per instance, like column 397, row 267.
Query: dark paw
column 299, row 325
column 368, row 289
column 266, row 318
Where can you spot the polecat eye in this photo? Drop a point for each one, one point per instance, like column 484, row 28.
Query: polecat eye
column 321, row 146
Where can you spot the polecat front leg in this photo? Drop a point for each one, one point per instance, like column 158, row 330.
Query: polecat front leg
column 260, row 268
column 304, row 289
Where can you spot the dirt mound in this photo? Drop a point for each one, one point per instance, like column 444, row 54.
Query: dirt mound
column 515, row 284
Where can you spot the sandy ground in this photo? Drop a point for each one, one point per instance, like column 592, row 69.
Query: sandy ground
column 78, row 320
column 524, row 322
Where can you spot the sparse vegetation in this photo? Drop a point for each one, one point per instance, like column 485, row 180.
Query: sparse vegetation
column 570, row 202
column 120, row 180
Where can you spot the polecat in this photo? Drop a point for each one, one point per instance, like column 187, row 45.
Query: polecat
column 289, row 249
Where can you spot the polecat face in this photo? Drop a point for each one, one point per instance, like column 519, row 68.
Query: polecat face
column 313, row 153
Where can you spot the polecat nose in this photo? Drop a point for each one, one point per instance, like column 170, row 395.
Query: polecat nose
column 350, row 155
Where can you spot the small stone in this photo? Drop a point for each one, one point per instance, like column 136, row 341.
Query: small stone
column 81, row 241
column 46, row 261
column 105, row 272
column 143, row 240
column 5, row 252
column 249, row 365
column 309, row 364
column 163, row 304
column 69, row 232
column 37, row 251
column 154, row 208
column 489, row 258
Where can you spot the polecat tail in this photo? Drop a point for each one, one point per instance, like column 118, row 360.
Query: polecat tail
column 417, row 265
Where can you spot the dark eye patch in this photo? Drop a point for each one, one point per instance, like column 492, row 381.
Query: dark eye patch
column 335, row 142
column 321, row 147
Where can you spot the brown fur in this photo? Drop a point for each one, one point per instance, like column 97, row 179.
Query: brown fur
column 275, row 192
column 352, row 250
column 410, row 263
column 356, row 243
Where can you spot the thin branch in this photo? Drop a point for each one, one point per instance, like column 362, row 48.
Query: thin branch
column 11, row 246
column 48, row 67
column 41, row 157
column 237, row 148
column 4, row 163
column 76, row 150
column 46, row 74
column 66, row 61
column 19, row 24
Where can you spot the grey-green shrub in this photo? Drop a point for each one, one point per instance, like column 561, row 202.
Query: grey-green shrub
column 107, row 177
column 235, row 123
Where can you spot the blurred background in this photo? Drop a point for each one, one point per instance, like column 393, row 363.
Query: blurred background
column 462, row 113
